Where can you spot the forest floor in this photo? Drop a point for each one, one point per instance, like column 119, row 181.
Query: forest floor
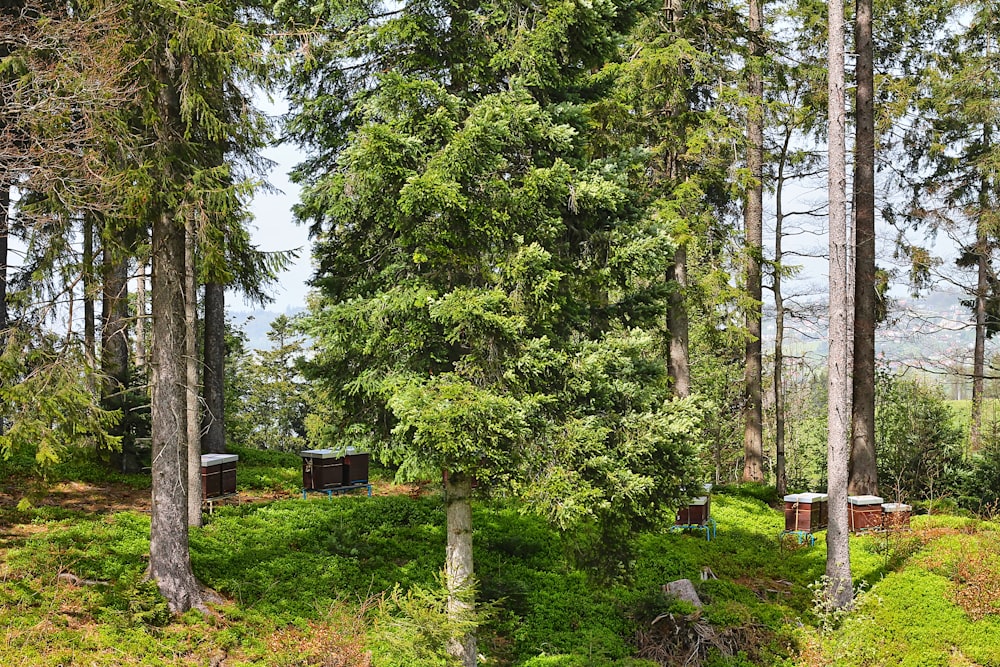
column 354, row 582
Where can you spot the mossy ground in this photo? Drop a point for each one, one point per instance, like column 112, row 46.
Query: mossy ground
column 310, row 583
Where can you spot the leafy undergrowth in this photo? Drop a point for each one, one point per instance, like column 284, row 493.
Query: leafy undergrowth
column 939, row 607
column 355, row 580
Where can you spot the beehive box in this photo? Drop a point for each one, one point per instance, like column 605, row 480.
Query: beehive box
column 896, row 516
column 864, row 513
column 218, row 475
column 804, row 511
column 696, row 513
column 321, row 469
column 355, row 467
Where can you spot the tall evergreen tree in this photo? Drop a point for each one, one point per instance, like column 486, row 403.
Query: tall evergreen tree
column 479, row 261
column 863, row 470
column 840, row 590
column 753, row 442
column 955, row 152
column 192, row 52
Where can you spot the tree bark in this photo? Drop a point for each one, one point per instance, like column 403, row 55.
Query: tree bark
column 4, row 233
column 458, row 567
column 169, row 555
column 863, row 469
column 780, row 474
column 838, row 560
column 115, row 353
column 984, row 260
column 979, row 347
column 753, row 440
column 140, row 318
column 191, row 376
column 214, row 425
column 677, row 324
column 89, row 315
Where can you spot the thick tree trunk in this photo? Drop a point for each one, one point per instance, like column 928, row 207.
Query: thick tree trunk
column 458, row 568
column 115, row 353
column 191, row 377
column 677, row 324
column 169, row 558
column 169, row 555
column 863, row 471
column 753, row 440
column 213, row 438
column 838, row 559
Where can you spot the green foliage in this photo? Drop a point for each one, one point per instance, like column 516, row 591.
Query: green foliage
column 413, row 628
column 46, row 397
column 917, row 444
column 266, row 396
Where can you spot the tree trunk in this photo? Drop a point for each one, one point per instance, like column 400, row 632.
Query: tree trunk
column 169, row 555
column 753, row 440
column 984, row 261
column 4, row 234
column 191, row 376
column 838, row 559
column 863, row 470
column 114, row 352
column 89, row 330
column 214, row 426
column 4, row 231
column 780, row 474
column 458, row 568
column 677, row 324
column 979, row 348
column 169, row 558
column 140, row 318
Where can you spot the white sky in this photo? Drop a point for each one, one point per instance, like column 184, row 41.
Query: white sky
column 274, row 227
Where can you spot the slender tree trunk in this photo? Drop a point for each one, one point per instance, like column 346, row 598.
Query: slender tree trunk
column 214, row 426
column 753, row 440
column 979, row 348
column 140, row 318
column 458, row 568
column 169, row 555
column 191, row 375
column 780, row 474
column 677, row 324
column 863, row 470
column 4, row 231
column 89, row 315
column 114, row 352
column 984, row 260
column 838, row 558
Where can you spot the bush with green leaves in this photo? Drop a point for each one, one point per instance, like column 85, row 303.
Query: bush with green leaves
column 918, row 447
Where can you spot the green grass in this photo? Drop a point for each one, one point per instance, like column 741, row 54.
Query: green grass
column 304, row 579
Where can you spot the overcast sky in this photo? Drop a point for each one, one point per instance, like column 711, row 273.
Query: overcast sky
column 274, row 229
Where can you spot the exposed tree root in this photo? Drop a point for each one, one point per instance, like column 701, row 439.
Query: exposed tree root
column 687, row 641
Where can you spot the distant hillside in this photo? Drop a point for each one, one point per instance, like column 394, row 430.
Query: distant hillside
column 256, row 324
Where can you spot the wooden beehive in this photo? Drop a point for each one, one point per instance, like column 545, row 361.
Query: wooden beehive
column 896, row 516
column 696, row 513
column 803, row 511
column 864, row 513
column 218, row 475
column 355, row 467
column 321, row 469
